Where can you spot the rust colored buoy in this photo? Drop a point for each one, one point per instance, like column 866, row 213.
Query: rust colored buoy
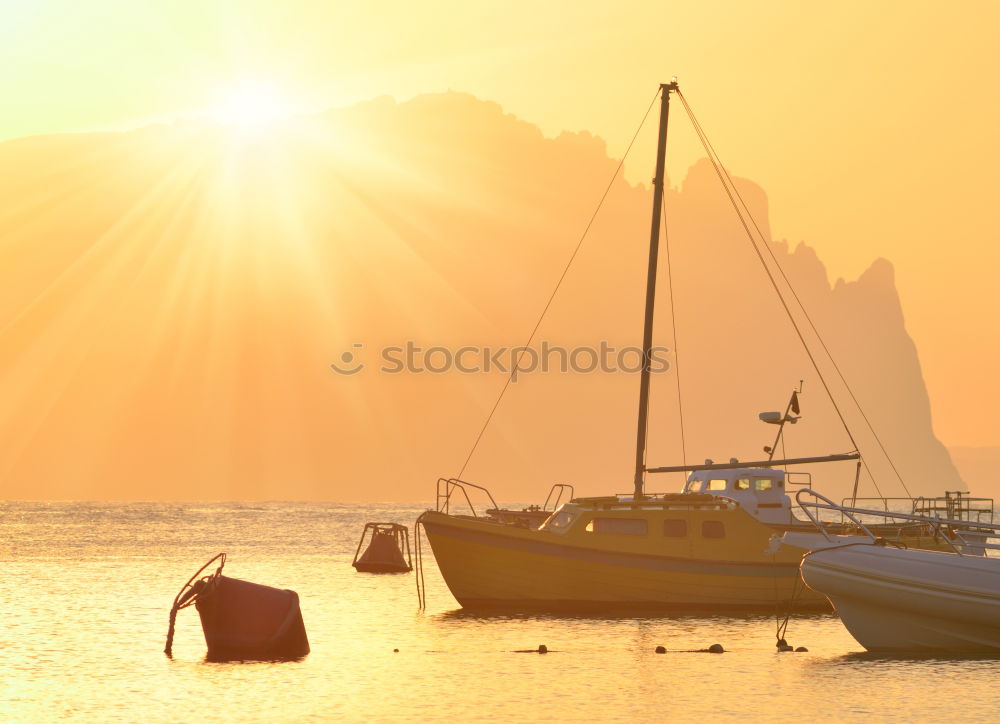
column 243, row 620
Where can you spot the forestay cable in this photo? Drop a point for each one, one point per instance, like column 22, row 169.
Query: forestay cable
column 800, row 304
column 673, row 328
column 562, row 277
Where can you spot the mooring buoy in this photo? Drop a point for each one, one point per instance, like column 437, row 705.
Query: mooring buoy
column 384, row 553
column 716, row 649
column 661, row 649
column 240, row 619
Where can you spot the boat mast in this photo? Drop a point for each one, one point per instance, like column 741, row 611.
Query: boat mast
column 654, row 247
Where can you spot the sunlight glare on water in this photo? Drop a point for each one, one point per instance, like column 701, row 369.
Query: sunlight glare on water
column 87, row 589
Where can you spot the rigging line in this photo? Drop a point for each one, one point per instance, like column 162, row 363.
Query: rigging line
column 673, row 328
column 864, row 464
column 767, row 270
column 562, row 277
column 714, row 157
column 801, row 306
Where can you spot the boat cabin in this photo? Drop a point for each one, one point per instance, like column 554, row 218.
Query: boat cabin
column 759, row 491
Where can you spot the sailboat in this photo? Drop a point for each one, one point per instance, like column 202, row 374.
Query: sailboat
column 706, row 547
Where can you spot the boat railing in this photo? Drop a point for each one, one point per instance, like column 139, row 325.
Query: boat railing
column 446, row 488
column 956, row 504
column 792, row 478
column 557, row 490
column 881, row 505
column 969, row 534
column 951, row 505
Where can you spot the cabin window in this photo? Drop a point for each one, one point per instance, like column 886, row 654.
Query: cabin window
column 713, row 529
column 560, row 520
column 743, row 484
column 675, row 528
column 618, row 526
column 763, row 483
column 717, row 484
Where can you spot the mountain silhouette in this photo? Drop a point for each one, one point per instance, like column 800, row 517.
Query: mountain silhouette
column 172, row 298
column 978, row 466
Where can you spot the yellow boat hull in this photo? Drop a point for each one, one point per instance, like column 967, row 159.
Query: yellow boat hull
column 489, row 565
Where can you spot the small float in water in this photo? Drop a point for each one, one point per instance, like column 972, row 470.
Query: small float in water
column 384, row 554
column 240, row 619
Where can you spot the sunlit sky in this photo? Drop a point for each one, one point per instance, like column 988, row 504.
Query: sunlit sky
column 870, row 125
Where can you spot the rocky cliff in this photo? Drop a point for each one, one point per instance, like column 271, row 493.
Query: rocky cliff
column 171, row 300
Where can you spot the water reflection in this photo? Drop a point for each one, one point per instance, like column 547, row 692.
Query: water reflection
column 625, row 614
column 223, row 659
column 87, row 589
column 919, row 657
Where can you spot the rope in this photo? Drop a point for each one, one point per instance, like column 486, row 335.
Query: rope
column 169, row 648
column 545, row 309
column 730, row 188
column 189, row 594
column 782, row 626
column 673, row 329
column 419, row 577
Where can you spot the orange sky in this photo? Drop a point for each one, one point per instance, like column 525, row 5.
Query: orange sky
column 871, row 126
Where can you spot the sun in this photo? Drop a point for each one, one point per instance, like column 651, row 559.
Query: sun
column 252, row 102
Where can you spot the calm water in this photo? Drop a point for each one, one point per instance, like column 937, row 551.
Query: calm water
column 86, row 589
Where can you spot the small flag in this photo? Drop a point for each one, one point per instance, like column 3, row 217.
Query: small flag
column 795, row 402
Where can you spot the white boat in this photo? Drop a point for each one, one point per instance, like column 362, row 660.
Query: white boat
column 898, row 599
